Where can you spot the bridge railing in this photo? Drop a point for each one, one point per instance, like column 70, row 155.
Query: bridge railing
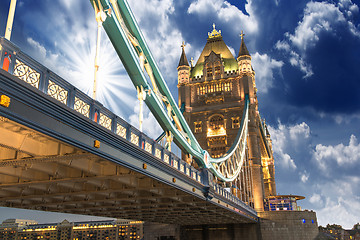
column 14, row 61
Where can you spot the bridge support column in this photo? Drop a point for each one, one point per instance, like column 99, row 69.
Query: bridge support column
column 255, row 163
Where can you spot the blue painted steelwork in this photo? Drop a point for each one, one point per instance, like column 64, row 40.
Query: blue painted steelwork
column 35, row 104
column 134, row 53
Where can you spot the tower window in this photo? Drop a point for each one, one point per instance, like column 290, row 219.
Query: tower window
column 216, row 126
column 235, row 122
column 217, row 71
column 218, row 87
column 227, row 87
column 198, row 127
column 201, row 90
column 217, row 152
column 209, row 72
column 216, row 122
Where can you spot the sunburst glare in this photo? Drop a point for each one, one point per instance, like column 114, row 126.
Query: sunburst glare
column 114, row 88
column 71, row 54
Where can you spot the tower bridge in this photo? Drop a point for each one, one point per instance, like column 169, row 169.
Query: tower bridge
column 63, row 151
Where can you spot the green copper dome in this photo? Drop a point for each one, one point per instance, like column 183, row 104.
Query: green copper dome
column 216, row 44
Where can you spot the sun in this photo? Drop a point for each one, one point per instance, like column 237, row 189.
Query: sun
column 114, row 88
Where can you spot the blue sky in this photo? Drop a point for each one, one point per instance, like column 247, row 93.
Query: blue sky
column 305, row 55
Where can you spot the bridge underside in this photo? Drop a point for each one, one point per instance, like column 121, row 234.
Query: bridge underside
column 41, row 173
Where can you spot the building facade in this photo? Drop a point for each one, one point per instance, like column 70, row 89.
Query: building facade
column 91, row 230
column 212, row 93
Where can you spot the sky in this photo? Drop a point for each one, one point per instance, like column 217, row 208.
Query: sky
column 306, row 56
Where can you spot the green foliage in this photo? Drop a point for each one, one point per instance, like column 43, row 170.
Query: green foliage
column 356, row 226
column 333, row 226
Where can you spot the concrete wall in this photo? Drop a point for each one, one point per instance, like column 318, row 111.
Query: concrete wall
column 283, row 225
column 221, row 232
column 296, row 225
column 157, row 231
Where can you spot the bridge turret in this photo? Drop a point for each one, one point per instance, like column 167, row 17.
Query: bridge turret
column 244, row 58
column 246, row 72
column 183, row 68
column 183, row 77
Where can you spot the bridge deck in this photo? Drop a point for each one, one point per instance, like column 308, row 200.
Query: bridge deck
column 49, row 161
column 41, row 173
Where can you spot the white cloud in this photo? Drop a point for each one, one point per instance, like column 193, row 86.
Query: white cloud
column 304, row 176
column 298, row 61
column 232, row 50
column 161, row 34
column 337, row 201
column 318, row 17
column 333, row 195
column 349, row 7
column 264, row 66
column 280, row 142
column 282, row 45
column 300, row 130
column 287, row 142
column 343, row 155
column 68, row 3
column 226, row 13
column 316, row 199
column 286, row 160
column 150, row 125
column 345, row 118
column 44, row 56
column 340, row 118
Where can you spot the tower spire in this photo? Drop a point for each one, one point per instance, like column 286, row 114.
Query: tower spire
column 183, row 60
column 183, row 68
column 243, row 49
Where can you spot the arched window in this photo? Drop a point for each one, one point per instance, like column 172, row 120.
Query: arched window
column 216, row 122
column 227, row 87
column 198, row 127
column 216, row 126
column 235, row 122
column 209, row 71
column 217, row 71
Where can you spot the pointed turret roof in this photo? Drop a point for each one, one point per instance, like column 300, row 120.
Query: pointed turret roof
column 183, row 60
column 243, row 49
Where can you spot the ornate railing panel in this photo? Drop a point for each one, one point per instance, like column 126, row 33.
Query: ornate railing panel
column 134, row 139
column 121, row 130
column 148, row 147
column 57, row 92
column 105, row 121
column 82, row 107
column 166, row 159
column 26, row 73
column 158, row 153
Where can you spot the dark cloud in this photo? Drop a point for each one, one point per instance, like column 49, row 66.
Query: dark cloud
column 335, row 83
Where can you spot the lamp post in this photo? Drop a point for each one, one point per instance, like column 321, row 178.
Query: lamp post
column 10, row 20
column 100, row 17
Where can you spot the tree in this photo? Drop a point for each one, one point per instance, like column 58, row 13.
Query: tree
column 334, row 226
column 356, row 226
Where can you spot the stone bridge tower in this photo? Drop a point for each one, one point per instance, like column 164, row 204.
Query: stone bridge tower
column 212, row 94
